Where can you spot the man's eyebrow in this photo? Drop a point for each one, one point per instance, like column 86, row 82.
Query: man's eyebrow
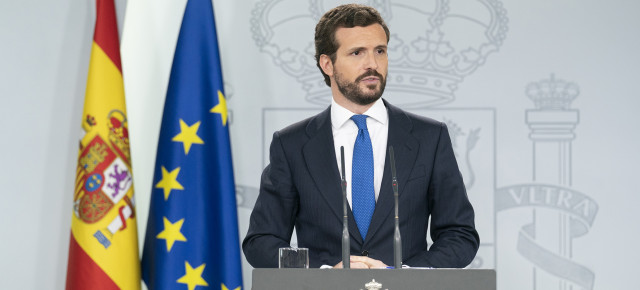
column 350, row 50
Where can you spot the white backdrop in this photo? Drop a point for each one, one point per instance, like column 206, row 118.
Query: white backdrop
column 552, row 180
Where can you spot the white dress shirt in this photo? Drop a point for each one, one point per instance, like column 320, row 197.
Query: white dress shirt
column 345, row 132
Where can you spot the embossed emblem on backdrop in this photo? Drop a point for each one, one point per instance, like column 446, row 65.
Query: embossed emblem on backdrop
column 434, row 45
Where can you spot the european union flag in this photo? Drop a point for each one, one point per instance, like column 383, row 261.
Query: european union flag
column 192, row 231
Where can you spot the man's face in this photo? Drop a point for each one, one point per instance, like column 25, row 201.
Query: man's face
column 360, row 68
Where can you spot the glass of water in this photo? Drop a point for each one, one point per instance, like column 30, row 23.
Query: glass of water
column 294, row 258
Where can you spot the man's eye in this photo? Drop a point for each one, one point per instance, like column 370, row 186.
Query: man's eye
column 381, row 51
column 357, row 52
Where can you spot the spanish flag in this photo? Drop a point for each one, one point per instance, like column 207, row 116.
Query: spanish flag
column 103, row 249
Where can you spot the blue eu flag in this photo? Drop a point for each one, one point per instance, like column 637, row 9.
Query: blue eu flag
column 192, row 232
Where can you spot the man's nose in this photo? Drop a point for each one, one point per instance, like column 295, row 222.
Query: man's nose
column 371, row 63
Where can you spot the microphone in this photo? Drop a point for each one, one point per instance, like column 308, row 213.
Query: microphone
column 346, row 245
column 397, row 241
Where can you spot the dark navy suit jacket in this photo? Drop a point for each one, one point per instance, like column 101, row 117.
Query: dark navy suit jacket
column 301, row 188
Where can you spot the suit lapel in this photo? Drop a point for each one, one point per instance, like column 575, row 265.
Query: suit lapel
column 320, row 157
column 405, row 148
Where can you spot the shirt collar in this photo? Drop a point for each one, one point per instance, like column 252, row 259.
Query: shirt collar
column 340, row 115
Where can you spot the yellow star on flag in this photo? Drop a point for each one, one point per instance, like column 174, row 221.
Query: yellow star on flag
column 169, row 181
column 224, row 287
column 221, row 108
column 193, row 277
column 188, row 135
column 171, row 232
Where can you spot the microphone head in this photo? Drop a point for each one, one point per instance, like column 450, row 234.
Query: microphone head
column 393, row 162
column 342, row 161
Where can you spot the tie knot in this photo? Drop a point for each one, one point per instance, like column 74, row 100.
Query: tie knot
column 361, row 121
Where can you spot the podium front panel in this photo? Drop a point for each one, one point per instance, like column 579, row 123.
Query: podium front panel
column 374, row 279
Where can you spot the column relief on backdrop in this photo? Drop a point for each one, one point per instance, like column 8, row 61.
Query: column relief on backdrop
column 558, row 213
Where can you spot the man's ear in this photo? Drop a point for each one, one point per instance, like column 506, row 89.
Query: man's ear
column 326, row 64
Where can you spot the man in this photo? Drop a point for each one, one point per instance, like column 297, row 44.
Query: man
column 301, row 186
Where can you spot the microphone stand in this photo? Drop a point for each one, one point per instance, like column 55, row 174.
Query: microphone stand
column 346, row 245
column 397, row 241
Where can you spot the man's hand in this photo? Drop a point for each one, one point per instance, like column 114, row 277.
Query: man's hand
column 360, row 262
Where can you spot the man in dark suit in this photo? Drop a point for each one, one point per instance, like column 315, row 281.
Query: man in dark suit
column 301, row 186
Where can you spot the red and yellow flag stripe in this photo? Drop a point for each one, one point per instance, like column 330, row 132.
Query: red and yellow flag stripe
column 103, row 251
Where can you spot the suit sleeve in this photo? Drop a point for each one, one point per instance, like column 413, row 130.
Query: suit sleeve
column 455, row 239
column 273, row 217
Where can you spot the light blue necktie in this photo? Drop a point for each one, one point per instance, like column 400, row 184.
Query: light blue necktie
column 363, row 200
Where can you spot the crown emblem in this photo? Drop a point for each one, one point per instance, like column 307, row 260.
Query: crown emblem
column 373, row 285
column 552, row 94
column 433, row 45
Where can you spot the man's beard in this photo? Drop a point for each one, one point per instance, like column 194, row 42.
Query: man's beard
column 353, row 93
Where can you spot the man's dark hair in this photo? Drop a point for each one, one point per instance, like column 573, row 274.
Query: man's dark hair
column 348, row 16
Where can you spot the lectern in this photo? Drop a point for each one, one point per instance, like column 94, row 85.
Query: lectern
column 374, row 279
